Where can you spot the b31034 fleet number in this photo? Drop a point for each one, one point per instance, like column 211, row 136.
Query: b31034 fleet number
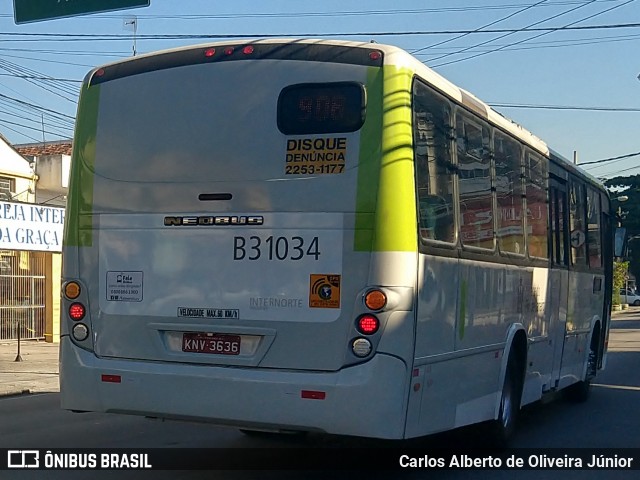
column 275, row 248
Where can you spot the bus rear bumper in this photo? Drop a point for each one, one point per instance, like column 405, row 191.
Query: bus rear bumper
column 369, row 399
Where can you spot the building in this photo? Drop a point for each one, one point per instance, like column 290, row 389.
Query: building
column 51, row 162
column 17, row 176
column 33, row 187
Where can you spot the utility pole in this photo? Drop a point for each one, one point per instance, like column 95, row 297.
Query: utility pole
column 131, row 24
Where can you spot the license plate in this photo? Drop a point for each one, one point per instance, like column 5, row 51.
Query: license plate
column 216, row 343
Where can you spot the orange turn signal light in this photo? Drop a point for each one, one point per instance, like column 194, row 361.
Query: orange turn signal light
column 375, row 300
column 72, row 290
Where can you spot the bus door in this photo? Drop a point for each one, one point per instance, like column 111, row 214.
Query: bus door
column 559, row 219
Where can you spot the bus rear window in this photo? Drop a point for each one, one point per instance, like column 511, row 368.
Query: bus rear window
column 314, row 108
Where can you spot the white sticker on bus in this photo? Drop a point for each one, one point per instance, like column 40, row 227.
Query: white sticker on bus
column 124, row 286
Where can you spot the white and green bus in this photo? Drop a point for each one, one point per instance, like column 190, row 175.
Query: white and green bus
column 310, row 235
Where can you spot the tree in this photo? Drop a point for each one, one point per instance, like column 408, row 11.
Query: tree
column 629, row 187
column 620, row 270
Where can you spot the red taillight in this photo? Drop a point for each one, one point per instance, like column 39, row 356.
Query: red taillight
column 375, row 55
column 248, row 50
column 368, row 324
column 313, row 394
column 100, row 72
column 77, row 311
column 209, row 52
column 112, row 378
column 228, row 51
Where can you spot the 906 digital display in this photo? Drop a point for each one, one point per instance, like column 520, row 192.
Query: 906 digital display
column 315, row 108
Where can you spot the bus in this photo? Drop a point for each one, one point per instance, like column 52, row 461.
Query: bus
column 322, row 236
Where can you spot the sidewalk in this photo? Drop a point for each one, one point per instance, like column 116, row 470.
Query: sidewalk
column 37, row 372
column 631, row 313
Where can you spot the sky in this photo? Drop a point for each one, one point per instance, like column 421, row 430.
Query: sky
column 571, row 78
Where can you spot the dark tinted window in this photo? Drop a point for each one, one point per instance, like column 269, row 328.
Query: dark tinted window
column 473, row 146
column 535, row 173
column 509, row 191
column 433, row 160
column 594, row 241
column 577, row 204
column 314, row 108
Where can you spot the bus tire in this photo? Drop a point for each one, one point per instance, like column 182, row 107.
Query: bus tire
column 579, row 392
column 503, row 428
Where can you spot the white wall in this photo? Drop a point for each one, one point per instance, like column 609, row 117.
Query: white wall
column 14, row 165
column 11, row 162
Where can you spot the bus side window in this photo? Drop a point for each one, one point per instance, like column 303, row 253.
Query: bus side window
column 509, row 194
column 536, row 173
column 434, row 211
column 432, row 155
column 594, row 240
column 577, row 204
column 473, row 148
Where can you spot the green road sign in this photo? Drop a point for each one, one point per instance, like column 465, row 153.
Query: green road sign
column 26, row 11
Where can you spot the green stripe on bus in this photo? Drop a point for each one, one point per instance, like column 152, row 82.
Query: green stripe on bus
column 385, row 204
column 79, row 221
column 395, row 214
column 369, row 163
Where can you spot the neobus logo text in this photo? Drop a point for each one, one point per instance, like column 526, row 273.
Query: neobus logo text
column 209, row 220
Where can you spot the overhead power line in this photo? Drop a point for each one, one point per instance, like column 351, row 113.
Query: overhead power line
column 448, row 9
column 629, row 155
column 478, row 29
column 527, row 28
column 56, row 87
column 539, row 45
column 35, row 129
column 500, row 37
column 35, row 37
column 37, row 107
column 623, row 171
column 45, row 79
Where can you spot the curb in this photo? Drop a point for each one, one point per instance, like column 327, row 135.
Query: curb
column 16, row 393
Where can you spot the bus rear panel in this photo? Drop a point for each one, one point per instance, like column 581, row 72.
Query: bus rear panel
column 220, row 231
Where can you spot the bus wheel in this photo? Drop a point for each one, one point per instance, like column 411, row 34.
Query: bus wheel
column 504, row 426
column 579, row 392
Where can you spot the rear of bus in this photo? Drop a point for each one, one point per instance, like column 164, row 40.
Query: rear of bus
column 240, row 240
